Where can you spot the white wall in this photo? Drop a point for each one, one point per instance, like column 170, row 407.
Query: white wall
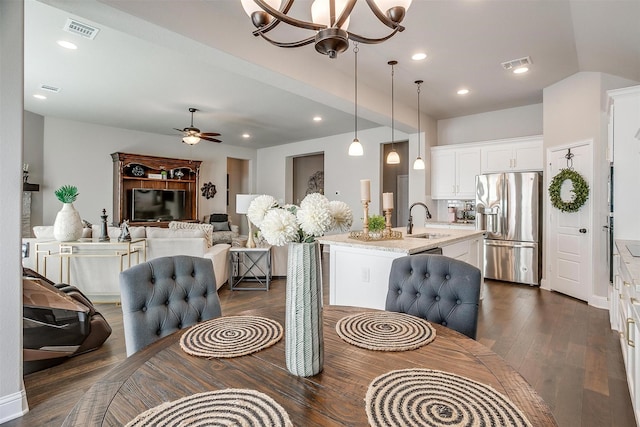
column 13, row 401
column 342, row 173
column 500, row 124
column 79, row 154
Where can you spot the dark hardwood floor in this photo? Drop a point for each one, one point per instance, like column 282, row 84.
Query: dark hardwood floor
column 563, row 347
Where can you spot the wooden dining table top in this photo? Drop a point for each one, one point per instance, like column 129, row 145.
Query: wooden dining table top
column 163, row 372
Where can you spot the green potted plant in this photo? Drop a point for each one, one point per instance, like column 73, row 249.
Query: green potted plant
column 377, row 225
column 68, row 224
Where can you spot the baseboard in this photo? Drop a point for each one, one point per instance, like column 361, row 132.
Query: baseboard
column 13, row 406
column 599, row 302
column 543, row 285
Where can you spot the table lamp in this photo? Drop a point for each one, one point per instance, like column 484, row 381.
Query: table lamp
column 242, row 207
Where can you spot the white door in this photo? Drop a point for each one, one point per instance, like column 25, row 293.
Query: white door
column 569, row 237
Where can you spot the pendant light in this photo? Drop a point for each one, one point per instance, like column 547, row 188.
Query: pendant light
column 355, row 149
column 392, row 158
column 418, row 164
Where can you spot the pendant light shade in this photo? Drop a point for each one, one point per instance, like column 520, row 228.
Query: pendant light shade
column 392, row 158
column 418, row 164
column 355, row 149
column 191, row 140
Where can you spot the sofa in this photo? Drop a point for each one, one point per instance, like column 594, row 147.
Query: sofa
column 94, row 269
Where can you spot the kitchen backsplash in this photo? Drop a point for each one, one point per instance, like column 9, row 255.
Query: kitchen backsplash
column 463, row 208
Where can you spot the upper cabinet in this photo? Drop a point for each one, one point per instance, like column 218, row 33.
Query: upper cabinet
column 625, row 133
column 522, row 154
column 453, row 172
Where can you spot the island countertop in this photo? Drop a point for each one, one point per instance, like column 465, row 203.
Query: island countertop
column 409, row 244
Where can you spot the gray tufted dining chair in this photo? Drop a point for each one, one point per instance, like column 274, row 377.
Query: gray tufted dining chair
column 164, row 295
column 436, row 288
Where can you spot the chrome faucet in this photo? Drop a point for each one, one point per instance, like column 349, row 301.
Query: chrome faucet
column 427, row 216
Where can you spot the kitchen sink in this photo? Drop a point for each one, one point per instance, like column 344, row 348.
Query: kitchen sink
column 432, row 235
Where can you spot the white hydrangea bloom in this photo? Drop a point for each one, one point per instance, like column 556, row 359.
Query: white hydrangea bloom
column 314, row 215
column 259, row 207
column 279, row 227
column 342, row 216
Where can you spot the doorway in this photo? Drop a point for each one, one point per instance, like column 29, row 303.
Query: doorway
column 395, row 180
column 308, row 176
column 238, row 182
column 569, row 237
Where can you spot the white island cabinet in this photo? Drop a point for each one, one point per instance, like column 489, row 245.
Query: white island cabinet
column 359, row 271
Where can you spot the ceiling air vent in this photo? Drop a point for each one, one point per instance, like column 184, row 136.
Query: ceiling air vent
column 81, row 29
column 516, row 63
column 50, row 88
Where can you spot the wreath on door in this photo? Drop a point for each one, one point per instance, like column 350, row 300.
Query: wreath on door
column 580, row 191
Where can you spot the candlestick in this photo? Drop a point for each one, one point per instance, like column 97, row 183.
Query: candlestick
column 387, row 201
column 387, row 216
column 365, row 221
column 365, row 190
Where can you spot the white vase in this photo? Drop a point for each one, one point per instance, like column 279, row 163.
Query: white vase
column 304, row 346
column 68, row 224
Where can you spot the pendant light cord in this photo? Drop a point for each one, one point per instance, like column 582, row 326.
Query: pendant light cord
column 355, row 51
column 419, row 82
column 393, row 138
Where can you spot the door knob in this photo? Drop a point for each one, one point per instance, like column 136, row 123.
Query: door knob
column 583, row 230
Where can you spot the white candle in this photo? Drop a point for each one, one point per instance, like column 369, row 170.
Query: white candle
column 365, row 190
column 387, row 201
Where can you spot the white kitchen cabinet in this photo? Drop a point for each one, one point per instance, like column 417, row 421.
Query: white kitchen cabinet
column 625, row 118
column 453, row 172
column 515, row 155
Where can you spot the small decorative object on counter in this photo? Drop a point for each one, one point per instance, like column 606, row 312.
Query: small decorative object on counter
column 125, row 236
column 104, row 235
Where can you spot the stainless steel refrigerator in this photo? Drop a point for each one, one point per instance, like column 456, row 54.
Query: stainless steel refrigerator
column 508, row 208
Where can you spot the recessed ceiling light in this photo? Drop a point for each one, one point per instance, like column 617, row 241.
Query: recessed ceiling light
column 246, row 135
column 67, row 45
column 463, row 91
column 419, row 56
column 317, row 119
column 520, row 70
column 39, row 96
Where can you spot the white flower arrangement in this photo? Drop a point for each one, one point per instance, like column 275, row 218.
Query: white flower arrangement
column 316, row 215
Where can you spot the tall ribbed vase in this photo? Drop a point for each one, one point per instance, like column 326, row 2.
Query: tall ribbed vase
column 304, row 345
column 68, row 225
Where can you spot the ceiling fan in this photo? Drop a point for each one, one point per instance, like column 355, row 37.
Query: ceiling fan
column 192, row 135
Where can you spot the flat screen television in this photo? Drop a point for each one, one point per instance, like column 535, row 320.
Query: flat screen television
column 158, row 205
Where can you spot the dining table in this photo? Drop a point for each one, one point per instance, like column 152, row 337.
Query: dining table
column 163, row 372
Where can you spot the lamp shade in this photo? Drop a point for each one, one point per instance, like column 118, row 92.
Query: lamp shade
column 243, row 201
column 251, row 6
column 356, row 149
column 191, row 139
column 393, row 158
column 418, row 164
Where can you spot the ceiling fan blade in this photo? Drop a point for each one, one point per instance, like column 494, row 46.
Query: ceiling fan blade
column 179, row 130
column 209, row 139
column 209, row 134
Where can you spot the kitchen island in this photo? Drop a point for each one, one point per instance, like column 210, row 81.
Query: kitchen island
column 359, row 270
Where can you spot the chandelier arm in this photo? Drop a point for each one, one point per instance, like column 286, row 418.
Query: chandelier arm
column 366, row 40
column 287, row 19
column 381, row 16
column 274, row 23
column 299, row 43
column 345, row 13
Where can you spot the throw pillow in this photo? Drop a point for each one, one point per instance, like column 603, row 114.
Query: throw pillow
column 206, row 228
column 221, row 226
column 218, row 217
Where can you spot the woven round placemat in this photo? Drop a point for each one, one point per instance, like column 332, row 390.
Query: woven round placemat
column 425, row 397
column 231, row 336
column 230, row 407
column 385, row 331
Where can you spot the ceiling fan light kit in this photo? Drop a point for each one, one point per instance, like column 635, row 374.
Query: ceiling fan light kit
column 192, row 135
column 329, row 20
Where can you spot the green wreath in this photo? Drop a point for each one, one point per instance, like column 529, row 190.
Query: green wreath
column 580, row 191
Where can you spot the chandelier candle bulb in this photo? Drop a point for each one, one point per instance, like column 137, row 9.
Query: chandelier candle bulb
column 387, row 201
column 365, row 190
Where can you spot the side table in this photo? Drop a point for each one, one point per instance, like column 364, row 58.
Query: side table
column 246, row 264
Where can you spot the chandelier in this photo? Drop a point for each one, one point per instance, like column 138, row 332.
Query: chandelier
column 329, row 21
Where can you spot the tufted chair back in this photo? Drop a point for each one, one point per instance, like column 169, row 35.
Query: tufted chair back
column 437, row 288
column 164, row 295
